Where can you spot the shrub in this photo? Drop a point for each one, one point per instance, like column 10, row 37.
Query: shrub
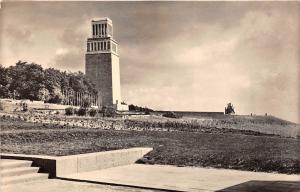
column 137, row 108
column 93, row 112
column 69, row 111
column 24, row 106
column 76, row 110
column 82, row 111
column 171, row 114
column 109, row 111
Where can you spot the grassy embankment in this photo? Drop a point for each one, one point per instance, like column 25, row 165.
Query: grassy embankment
column 232, row 142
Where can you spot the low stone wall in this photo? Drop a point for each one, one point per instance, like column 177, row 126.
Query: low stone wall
column 10, row 105
column 96, row 161
column 65, row 165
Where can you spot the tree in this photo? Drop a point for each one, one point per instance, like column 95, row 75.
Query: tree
column 86, row 102
column 31, row 81
column 132, row 107
column 229, row 109
column 55, row 95
column 43, row 94
column 27, row 80
column 4, row 83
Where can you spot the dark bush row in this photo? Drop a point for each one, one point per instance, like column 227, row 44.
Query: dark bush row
column 171, row 114
column 106, row 111
column 81, row 111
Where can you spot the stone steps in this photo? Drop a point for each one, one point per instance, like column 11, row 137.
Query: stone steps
column 10, row 164
column 18, row 171
column 23, row 178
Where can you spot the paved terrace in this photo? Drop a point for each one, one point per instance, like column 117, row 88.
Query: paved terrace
column 191, row 179
column 145, row 178
column 100, row 171
column 56, row 185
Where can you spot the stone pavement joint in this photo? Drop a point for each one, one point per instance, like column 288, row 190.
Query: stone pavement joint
column 116, row 184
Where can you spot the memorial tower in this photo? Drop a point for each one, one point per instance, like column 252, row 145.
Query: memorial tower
column 102, row 62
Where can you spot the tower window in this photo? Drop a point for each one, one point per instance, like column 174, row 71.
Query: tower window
column 97, row 26
column 92, row 47
column 102, row 30
column 98, row 46
column 96, row 30
column 99, row 34
column 93, row 30
column 108, row 45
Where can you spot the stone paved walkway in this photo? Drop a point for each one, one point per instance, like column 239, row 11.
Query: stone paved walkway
column 56, row 185
column 164, row 177
column 192, row 179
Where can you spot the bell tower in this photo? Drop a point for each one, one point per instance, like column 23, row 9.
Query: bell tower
column 102, row 62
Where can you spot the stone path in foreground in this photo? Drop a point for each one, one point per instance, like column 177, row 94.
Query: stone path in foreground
column 57, row 185
column 126, row 178
column 192, row 179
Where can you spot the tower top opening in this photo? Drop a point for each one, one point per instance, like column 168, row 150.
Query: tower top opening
column 102, row 20
column 102, row 27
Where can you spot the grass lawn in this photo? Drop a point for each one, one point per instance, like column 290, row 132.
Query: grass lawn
column 216, row 149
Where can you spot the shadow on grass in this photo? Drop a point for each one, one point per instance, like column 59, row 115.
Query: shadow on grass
column 264, row 186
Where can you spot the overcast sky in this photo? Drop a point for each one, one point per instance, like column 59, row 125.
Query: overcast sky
column 173, row 55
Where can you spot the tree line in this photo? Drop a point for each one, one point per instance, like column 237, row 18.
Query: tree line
column 30, row 81
column 132, row 107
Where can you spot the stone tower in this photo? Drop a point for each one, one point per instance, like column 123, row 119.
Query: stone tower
column 102, row 62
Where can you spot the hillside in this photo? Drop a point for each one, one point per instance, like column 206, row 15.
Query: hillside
column 260, row 124
column 180, row 142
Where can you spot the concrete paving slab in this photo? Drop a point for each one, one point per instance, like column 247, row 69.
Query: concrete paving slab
column 56, row 185
column 191, row 178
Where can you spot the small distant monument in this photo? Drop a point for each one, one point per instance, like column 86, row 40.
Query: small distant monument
column 102, row 64
column 229, row 110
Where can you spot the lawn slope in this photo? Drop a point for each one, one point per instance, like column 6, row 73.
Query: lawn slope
column 175, row 142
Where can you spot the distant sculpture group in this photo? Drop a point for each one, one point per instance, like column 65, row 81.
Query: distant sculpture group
column 229, row 109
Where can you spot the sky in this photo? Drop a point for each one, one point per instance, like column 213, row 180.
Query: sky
column 188, row 56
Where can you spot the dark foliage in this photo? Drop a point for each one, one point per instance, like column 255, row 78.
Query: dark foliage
column 171, row 114
column 92, row 112
column 109, row 111
column 69, row 111
column 229, row 109
column 82, row 111
column 139, row 109
column 86, row 103
column 24, row 107
column 31, row 81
